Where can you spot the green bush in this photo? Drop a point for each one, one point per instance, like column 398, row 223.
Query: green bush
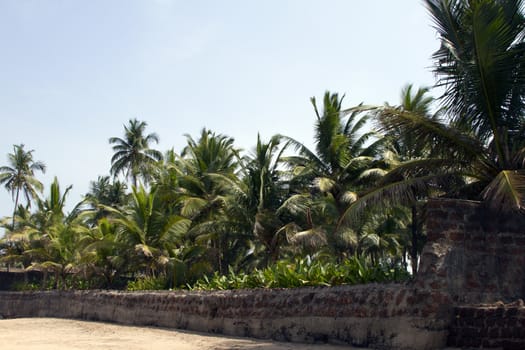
column 305, row 272
column 24, row 286
column 147, row 283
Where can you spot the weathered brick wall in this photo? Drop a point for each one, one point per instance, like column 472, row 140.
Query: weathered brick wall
column 473, row 255
column 497, row 326
column 371, row 315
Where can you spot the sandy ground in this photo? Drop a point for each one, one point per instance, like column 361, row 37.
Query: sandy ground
column 60, row 334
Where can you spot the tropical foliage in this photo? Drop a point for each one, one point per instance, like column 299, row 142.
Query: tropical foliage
column 348, row 210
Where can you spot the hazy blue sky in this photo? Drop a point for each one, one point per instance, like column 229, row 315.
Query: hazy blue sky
column 73, row 72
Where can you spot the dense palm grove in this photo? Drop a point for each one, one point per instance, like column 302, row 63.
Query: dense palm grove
column 348, row 211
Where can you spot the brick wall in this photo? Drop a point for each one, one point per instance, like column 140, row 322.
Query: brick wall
column 473, row 255
column 493, row 326
column 473, row 270
column 368, row 315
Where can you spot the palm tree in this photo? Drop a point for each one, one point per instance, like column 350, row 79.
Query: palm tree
column 266, row 192
column 205, row 165
column 104, row 192
column 132, row 156
column 478, row 151
column 148, row 233
column 104, row 254
column 19, row 175
column 407, row 151
column 60, row 252
column 344, row 163
column 49, row 238
column 481, row 66
column 211, row 153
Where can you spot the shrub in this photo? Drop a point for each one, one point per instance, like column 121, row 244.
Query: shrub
column 147, row 283
column 305, row 272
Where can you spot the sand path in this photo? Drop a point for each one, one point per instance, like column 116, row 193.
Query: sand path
column 60, row 334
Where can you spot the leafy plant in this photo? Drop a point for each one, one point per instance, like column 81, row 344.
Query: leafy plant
column 147, row 283
column 303, row 272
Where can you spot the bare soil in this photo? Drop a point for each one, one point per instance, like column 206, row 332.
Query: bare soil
column 61, row 334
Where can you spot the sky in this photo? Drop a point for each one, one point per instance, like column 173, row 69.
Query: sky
column 72, row 73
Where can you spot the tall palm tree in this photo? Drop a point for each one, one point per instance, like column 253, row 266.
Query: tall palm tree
column 344, row 162
column 478, row 151
column 208, row 166
column 481, row 65
column 266, row 193
column 200, row 161
column 343, row 152
column 19, row 176
column 133, row 156
column 211, row 153
column 407, row 150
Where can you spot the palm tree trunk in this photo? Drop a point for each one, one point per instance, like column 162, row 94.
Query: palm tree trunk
column 44, row 280
column 413, row 251
column 14, row 210
column 134, row 181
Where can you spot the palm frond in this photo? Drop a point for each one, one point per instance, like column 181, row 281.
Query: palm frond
column 401, row 192
column 450, row 141
column 324, row 184
column 307, row 156
column 507, row 191
column 295, row 204
column 312, row 238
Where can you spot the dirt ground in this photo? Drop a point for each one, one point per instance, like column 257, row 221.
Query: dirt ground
column 60, row 334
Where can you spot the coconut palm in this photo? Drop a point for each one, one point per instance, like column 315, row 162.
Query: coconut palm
column 211, row 153
column 104, row 255
column 207, row 168
column 60, row 251
column 405, row 150
column 19, row 176
column 104, row 192
column 23, row 236
column 133, row 156
column 107, row 192
column 345, row 161
column 166, row 178
column 149, row 234
column 54, row 237
column 481, row 66
column 266, row 192
column 478, row 149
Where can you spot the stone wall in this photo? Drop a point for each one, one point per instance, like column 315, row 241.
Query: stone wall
column 472, row 256
column 495, row 326
column 376, row 316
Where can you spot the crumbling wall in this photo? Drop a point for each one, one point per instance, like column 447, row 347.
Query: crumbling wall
column 369, row 315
